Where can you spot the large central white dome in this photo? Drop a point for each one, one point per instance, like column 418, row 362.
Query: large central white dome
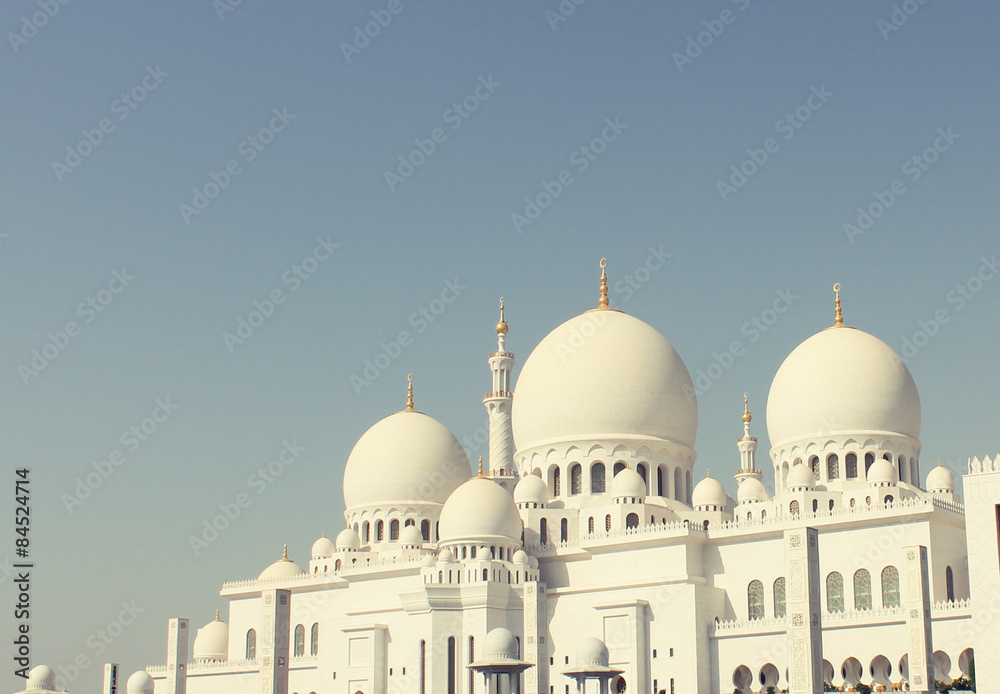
column 603, row 374
column 842, row 381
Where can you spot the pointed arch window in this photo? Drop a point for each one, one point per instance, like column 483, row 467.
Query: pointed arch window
column 755, row 600
column 779, row 597
column 556, row 482
column 564, row 530
column 851, row 466
column 425, row 530
column 641, row 469
column 632, row 520
column 543, row 531
column 890, row 587
column 862, row 590
column 394, row 530
column 619, row 466
column 300, row 641
column 834, row 592
column 251, row 645
column 832, row 467
column 659, row 481
column 590, row 525
column 949, row 584
column 379, row 531
column 793, row 508
column 869, row 461
column 814, row 464
column 607, row 523
column 576, row 479
column 597, row 478
column 314, row 639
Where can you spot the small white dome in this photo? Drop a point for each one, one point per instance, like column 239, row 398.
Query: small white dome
column 592, row 652
column 708, row 492
column 628, row 484
column 531, row 489
column 882, row 472
column 323, row 548
column 520, row 557
column 532, row 562
column 481, row 511
column 800, row 476
column 940, row 479
column 406, row 457
column 212, row 641
column 428, row 560
column 752, row 489
column 348, row 539
column 446, row 557
column 140, row 683
column 410, row 536
column 283, row 568
column 41, row 677
column 500, row 644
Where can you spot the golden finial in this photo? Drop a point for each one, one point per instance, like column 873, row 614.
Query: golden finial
column 708, row 474
column 840, row 315
column 603, row 301
column 409, row 394
column 217, row 617
column 502, row 325
column 284, row 553
column 746, row 408
column 481, row 473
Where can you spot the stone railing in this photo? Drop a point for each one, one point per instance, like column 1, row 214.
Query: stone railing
column 751, row 625
column 221, row 665
column 367, row 563
column 877, row 614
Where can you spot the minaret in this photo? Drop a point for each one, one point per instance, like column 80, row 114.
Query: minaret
column 497, row 402
column 748, row 448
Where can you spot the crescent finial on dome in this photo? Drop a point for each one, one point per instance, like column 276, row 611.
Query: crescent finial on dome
column 603, row 301
column 480, row 473
column 218, row 618
column 839, row 320
column 284, row 553
column 409, row 394
column 502, row 325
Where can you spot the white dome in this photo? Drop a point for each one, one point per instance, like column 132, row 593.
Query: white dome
column 520, row 557
column 322, row 548
column 410, row 536
column 139, row 683
column 348, row 539
column 940, row 479
column 41, row 677
column 800, row 476
column 592, row 652
column 428, row 560
column 500, row 644
column 283, row 568
column 708, row 492
column 752, row 489
column 531, row 489
column 882, row 472
column 603, row 374
column 212, row 641
column 446, row 557
column 628, row 484
column 406, row 457
column 481, row 511
column 842, row 381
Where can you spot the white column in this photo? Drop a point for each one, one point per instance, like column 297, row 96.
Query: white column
column 177, row 650
column 917, row 605
column 275, row 607
column 804, row 630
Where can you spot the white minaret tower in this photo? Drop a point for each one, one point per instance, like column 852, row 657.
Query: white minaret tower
column 497, row 402
column 748, row 449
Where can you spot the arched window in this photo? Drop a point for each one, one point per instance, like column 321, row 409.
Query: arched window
column 409, row 522
column 543, row 531
column 890, row 587
column 903, row 469
column 632, row 520
column 834, row 592
column 641, row 469
column 314, row 640
column 564, row 530
column 793, row 508
column 337, row 565
column 814, row 464
column 379, row 530
column 869, row 461
column 590, row 525
column 472, row 659
column 437, row 531
column 779, row 597
column 251, row 645
column 423, row 667
column 831, row 504
column 763, row 514
column 888, row 499
column 556, row 481
column 862, row 590
column 425, row 530
column 576, row 479
column 300, row 640
column 452, row 666
column 659, row 481
column 619, row 466
column 394, row 530
column 832, row 467
column 597, row 478
column 851, row 466
column 755, row 600
column 365, row 532
column 678, row 484
column 815, row 505
column 949, row 584
column 607, row 523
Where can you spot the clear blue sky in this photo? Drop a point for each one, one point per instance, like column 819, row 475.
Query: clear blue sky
column 839, row 104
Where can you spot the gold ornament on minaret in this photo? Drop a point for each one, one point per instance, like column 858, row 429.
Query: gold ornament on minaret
column 502, row 325
column 746, row 408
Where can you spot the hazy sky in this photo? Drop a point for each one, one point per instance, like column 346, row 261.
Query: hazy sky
column 167, row 165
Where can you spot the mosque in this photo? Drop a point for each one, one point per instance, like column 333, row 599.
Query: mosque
column 589, row 555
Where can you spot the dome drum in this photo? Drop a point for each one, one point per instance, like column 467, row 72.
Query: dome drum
column 845, row 458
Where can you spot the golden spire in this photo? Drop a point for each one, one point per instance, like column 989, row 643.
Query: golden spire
column 481, row 473
column 409, row 394
column 217, row 617
column 502, row 325
column 708, row 474
column 840, row 315
column 746, row 408
column 603, row 301
column 284, row 553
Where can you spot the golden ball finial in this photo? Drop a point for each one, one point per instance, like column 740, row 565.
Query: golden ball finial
column 502, row 325
column 284, row 553
column 746, row 408
column 839, row 320
column 603, row 301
